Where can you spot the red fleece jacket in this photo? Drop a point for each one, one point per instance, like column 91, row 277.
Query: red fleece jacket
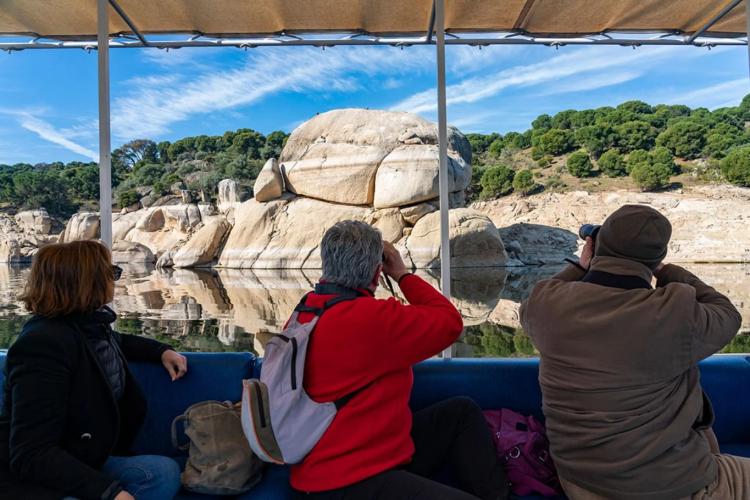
column 376, row 342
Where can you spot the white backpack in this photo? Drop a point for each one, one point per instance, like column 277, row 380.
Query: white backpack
column 280, row 420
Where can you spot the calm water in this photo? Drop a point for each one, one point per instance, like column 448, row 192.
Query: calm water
column 239, row 310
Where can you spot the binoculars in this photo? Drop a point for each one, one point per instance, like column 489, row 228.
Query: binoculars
column 589, row 230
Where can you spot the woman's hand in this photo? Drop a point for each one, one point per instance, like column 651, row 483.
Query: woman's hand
column 175, row 363
column 124, row 495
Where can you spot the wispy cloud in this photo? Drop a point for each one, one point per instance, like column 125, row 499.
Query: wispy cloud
column 716, row 96
column 150, row 106
column 591, row 82
column 551, row 70
column 62, row 137
column 466, row 59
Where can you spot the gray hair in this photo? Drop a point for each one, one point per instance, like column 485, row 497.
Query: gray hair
column 351, row 252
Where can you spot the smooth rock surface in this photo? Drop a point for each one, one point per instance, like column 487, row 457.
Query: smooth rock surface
column 409, row 174
column 280, row 235
column 203, row 246
column 34, row 221
column 269, row 185
column 413, row 213
column 81, row 226
column 336, row 156
column 474, row 241
column 128, row 252
column 709, row 223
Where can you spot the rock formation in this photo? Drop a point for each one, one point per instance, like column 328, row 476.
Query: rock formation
column 269, row 185
column 709, row 223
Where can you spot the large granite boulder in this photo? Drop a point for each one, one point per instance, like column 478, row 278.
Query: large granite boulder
column 34, row 221
column 203, row 246
column 269, row 185
column 81, row 226
column 409, row 174
column 286, row 233
column 474, row 241
column 127, row 252
column 228, row 196
column 336, row 156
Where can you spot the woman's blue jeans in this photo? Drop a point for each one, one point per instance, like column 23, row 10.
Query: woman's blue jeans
column 146, row 477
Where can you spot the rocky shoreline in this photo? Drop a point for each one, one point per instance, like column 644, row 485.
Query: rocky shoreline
column 382, row 168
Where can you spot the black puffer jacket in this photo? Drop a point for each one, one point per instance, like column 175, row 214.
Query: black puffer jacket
column 61, row 420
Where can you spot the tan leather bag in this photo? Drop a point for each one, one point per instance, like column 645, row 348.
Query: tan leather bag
column 220, row 461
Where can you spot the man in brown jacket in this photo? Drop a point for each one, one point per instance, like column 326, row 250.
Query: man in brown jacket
column 626, row 415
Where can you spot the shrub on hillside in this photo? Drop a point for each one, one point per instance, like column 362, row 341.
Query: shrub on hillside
column 555, row 142
column 650, row 176
column 684, row 138
column 523, row 182
column 497, row 181
column 612, row 163
column 496, row 147
column 635, row 158
column 662, row 156
column 545, row 161
column 127, row 198
column 634, row 135
column 736, row 166
column 579, row 164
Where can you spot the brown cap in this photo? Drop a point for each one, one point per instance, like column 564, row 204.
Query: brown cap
column 635, row 232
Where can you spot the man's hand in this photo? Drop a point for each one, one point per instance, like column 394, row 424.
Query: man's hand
column 175, row 363
column 587, row 253
column 124, row 495
column 393, row 264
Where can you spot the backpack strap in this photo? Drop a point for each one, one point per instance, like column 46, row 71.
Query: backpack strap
column 341, row 402
column 341, row 293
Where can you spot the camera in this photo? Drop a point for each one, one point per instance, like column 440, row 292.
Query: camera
column 589, row 230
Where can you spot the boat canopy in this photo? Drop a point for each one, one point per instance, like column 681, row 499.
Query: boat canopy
column 73, row 23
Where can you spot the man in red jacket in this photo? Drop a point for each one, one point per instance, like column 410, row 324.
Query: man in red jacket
column 375, row 448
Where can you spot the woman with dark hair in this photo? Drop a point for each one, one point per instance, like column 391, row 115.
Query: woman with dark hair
column 72, row 407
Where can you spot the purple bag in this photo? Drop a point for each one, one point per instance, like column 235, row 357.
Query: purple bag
column 523, row 449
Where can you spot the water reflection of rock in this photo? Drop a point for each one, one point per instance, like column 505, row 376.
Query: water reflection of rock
column 242, row 308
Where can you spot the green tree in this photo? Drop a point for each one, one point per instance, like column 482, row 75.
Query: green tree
column 496, row 147
column 127, row 198
column 595, row 138
column 555, row 142
column 634, row 135
column 542, row 122
column 662, row 156
column 497, row 181
column 636, row 157
column 736, row 165
column 612, row 163
column 579, row 164
column 275, row 142
column 564, row 119
column 650, row 176
column 685, row 139
column 523, row 182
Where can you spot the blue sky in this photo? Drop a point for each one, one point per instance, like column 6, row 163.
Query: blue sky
column 48, row 100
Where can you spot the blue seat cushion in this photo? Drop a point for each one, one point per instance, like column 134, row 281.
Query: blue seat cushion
column 210, row 376
column 736, row 449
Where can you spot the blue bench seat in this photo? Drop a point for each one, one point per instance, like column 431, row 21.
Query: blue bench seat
column 493, row 383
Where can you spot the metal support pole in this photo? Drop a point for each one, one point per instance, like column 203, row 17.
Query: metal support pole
column 105, row 147
column 727, row 8
column 445, row 252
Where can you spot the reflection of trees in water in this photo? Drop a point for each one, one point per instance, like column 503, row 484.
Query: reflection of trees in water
column 208, row 335
column 488, row 340
column 10, row 327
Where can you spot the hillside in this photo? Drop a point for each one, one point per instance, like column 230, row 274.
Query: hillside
column 634, row 146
